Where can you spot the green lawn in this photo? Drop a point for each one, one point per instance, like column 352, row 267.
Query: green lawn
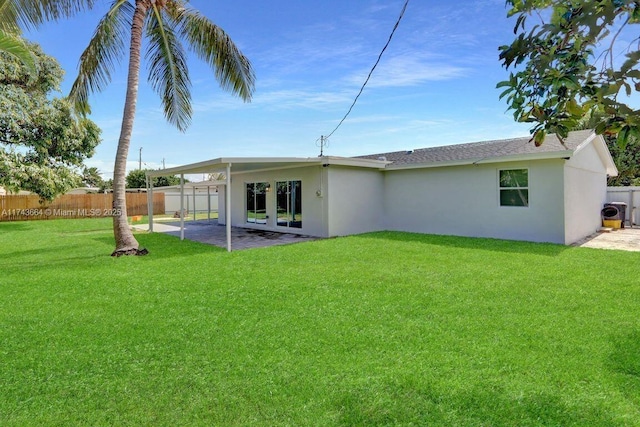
column 377, row 329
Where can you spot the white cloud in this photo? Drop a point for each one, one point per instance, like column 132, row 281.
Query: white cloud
column 409, row 70
column 302, row 98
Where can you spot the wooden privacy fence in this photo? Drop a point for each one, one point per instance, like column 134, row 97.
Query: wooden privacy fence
column 20, row 208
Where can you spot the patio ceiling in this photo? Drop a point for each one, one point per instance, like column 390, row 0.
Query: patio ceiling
column 252, row 164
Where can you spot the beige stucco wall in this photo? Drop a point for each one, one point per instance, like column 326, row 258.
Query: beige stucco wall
column 585, row 194
column 356, row 199
column 464, row 201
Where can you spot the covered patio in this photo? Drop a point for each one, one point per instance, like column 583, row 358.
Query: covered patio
column 240, row 173
column 212, row 233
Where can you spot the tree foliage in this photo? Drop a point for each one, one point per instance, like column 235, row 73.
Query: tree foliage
column 14, row 45
column 91, row 177
column 627, row 158
column 567, row 64
column 42, row 142
column 137, row 179
column 106, row 186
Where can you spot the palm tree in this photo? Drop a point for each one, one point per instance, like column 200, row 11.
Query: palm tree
column 166, row 24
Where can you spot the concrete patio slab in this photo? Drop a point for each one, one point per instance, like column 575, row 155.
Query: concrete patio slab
column 210, row 232
column 626, row 239
column 157, row 227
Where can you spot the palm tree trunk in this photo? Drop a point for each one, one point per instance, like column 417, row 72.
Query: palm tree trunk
column 126, row 243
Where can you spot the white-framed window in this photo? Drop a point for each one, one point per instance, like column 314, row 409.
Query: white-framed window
column 514, row 187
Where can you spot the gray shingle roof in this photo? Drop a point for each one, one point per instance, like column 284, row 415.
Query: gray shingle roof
column 485, row 150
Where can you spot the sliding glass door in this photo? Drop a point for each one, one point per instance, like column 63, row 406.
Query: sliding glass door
column 257, row 202
column 289, row 204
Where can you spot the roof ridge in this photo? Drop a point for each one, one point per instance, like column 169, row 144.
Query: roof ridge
column 482, row 150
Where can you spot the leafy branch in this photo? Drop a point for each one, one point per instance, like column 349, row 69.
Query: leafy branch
column 565, row 67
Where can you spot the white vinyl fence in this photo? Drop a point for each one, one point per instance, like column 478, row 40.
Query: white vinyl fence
column 192, row 204
column 630, row 196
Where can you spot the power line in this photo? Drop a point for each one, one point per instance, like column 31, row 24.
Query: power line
column 395, row 27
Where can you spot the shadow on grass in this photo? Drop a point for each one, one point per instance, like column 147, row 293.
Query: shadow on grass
column 45, row 252
column 487, row 406
column 161, row 245
column 65, row 254
column 11, row 226
column 624, row 363
column 494, row 245
column 75, row 233
column 99, row 253
column 50, row 257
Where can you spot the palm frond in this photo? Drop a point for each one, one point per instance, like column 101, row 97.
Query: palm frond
column 31, row 13
column 104, row 52
column 212, row 44
column 8, row 16
column 168, row 71
column 13, row 45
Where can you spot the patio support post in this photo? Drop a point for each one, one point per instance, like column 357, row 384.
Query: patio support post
column 228, row 206
column 630, row 209
column 194, row 202
column 181, row 206
column 150, row 202
column 208, row 203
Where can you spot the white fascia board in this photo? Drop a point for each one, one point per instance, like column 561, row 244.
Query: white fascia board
column 264, row 163
column 514, row 158
column 222, row 162
column 355, row 162
column 200, row 167
column 259, row 160
column 200, row 184
column 203, row 184
column 331, row 160
column 586, row 142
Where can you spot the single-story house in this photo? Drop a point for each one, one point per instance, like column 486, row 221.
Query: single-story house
column 84, row 190
column 506, row 189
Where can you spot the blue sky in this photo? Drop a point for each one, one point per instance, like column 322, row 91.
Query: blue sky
column 435, row 84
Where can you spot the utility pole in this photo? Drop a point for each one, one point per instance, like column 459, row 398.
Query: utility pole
column 163, row 163
column 323, row 142
column 140, row 160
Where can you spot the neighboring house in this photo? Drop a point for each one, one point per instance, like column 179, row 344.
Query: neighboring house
column 5, row 192
column 507, row 189
column 84, row 190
